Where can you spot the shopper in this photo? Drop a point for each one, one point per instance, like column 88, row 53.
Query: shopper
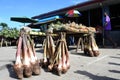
column 107, row 29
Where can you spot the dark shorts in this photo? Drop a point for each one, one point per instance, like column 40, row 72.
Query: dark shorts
column 107, row 34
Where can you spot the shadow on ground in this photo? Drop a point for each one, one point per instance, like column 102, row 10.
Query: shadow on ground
column 9, row 68
column 11, row 71
column 4, row 66
column 54, row 72
column 40, row 51
column 81, row 54
column 111, row 63
column 92, row 76
column 115, row 71
column 114, row 57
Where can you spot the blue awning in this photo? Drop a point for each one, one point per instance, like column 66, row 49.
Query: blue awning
column 49, row 19
column 46, row 20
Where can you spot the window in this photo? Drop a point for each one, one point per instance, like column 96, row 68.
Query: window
column 115, row 16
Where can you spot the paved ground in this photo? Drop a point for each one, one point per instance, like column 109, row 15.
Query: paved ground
column 104, row 67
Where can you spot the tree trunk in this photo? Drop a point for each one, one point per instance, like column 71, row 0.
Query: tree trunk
column 1, row 42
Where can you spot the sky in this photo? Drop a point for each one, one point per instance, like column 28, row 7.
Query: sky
column 30, row 8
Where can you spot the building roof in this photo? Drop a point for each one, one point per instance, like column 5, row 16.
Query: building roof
column 63, row 10
column 92, row 4
column 80, row 6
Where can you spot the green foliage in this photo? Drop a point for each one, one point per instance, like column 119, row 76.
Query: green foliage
column 3, row 25
column 13, row 33
column 8, row 32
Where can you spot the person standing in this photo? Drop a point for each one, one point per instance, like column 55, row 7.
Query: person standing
column 107, row 29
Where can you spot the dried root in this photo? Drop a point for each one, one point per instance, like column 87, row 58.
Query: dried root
column 26, row 62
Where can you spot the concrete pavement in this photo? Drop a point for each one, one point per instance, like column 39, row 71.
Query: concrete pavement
column 104, row 67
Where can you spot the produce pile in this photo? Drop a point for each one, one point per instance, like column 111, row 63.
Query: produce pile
column 72, row 27
column 40, row 33
column 37, row 33
column 88, row 45
column 56, row 58
column 87, row 41
column 26, row 62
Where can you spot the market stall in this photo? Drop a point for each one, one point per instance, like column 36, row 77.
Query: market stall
column 85, row 34
column 56, row 55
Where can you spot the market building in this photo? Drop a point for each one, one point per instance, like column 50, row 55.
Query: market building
column 92, row 15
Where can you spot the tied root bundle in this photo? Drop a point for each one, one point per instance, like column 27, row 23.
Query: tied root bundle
column 26, row 62
column 56, row 58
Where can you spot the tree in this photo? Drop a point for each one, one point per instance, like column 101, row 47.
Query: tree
column 3, row 32
column 3, row 25
column 7, row 34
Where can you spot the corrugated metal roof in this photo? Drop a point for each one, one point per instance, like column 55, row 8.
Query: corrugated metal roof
column 63, row 10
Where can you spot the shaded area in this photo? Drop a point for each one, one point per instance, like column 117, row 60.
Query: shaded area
column 114, row 63
column 114, row 57
column 11, row 71
column 54, row 72
column 115, row 71
column 40, row 51
column 79, row 53
column 38, row 46
column 108, row 47
column 2, row 67
column 71, row 47
column 9, row 68
column 92, row 76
